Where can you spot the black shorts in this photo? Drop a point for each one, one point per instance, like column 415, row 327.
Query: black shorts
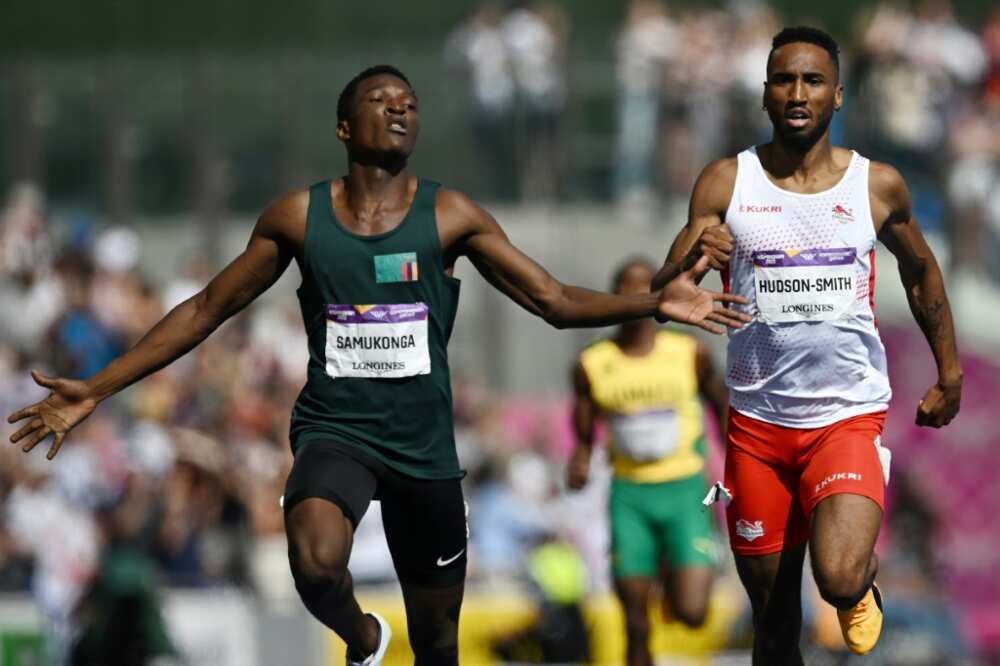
column 424, row 520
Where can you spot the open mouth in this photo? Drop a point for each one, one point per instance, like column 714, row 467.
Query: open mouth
column 397, row 128
column 797, row 118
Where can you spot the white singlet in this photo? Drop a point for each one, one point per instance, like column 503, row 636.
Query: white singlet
column 812, row 355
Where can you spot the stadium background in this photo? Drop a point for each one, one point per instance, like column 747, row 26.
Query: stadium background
column 138, row 143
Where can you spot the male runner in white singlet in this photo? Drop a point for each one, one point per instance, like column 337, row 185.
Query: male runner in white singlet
column 793, row 224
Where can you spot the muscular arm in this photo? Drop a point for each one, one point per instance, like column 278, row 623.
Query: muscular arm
column 265, row 258
column 468, row 229
column 709, row 201
column 71, row 401
column 584, row 418
column 921, row 277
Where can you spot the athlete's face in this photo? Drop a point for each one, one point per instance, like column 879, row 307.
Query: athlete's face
column 635, row 279
column 801, row 93
column 384, row 119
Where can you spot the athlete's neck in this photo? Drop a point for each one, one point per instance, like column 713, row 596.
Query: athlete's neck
column 636, row 338
column 370, row 189
column 785, row 160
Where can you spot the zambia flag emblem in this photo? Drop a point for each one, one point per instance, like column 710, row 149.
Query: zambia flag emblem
column 400, row 267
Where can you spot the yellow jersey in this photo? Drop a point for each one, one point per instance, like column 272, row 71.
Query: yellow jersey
column 651, row 406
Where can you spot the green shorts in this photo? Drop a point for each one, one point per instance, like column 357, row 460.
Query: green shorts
column 654, row 523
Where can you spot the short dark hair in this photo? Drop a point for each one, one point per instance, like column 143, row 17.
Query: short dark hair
column 809, row 35
column 347, row 94
column 631, row 262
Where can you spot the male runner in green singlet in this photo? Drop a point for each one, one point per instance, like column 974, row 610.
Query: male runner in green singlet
column 376, row 249
column 645, row 383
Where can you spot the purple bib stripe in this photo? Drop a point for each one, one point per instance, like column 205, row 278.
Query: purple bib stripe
column 834, row 256
column 377, row 314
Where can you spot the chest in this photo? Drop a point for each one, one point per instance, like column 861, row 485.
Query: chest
column 763, row 221
column 637, row 384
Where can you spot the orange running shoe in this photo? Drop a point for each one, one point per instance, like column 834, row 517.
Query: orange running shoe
column 862, row 624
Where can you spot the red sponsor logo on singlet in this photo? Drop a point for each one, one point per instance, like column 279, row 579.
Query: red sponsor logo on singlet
column 841, row 214
column 765, row 208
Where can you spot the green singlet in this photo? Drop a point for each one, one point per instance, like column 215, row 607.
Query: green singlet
column 378, row 312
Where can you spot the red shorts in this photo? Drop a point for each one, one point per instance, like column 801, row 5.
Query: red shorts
column 777, row 476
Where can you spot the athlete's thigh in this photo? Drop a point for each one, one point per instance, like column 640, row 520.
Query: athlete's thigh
column 331, row 471
column 326, row 494
column 846, row 458
column 764, row 515
column 634, row 547
column 426, row 529
column 843, row 530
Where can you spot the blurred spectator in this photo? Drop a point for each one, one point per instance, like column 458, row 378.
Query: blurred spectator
column 748, row 122
column 696, row 114
column 476, row 48
column 30, row 296
column 509, row 512
column 974, row 189
column 645, row 45
column 119, row 619
column 558, row 635
column 536, row 38
column 80, row 344
column 514, row 63
column 912, row 72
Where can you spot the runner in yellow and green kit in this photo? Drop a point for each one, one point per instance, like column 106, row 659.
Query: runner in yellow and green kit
column 645, row 383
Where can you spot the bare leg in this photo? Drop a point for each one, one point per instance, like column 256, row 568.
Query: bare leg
column 634, row 595
column 687, row 593
column 841, row 547
column 774, row 585
column 319, row 546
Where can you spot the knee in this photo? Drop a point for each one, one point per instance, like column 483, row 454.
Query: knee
column 841, row 587
column 319, row 561
column 691, row 612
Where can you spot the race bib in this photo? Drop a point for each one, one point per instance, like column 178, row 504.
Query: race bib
column 377, row 341
column 804, row 285
column 645, row 436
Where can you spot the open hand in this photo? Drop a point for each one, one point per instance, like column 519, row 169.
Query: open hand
column 683, row 301
column 939, row 405
column 68, row 403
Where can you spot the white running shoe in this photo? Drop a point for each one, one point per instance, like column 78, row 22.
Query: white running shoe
column 384, row 636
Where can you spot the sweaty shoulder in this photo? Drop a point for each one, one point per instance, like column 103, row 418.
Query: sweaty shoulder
column 887, row 190
column 715, row 185
column 285, row 217
column 458, row 216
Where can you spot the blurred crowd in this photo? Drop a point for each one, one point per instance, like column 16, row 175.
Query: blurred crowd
column 514, row 60
column 923, row 92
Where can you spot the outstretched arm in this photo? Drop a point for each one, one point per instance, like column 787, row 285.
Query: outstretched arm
column 705, row 233
column 584, row 417
column 481, row 239
column 262, row 262
column 924, row 285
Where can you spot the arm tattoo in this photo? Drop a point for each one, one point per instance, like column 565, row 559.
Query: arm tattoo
column 932, row 317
